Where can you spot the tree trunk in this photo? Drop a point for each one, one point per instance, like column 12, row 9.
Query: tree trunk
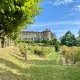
column 25, row 56
column 74, row 62
column 3, row 42
column 8, row 43
column 66, row 60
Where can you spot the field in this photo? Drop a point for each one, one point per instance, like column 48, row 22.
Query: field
column 13, row 67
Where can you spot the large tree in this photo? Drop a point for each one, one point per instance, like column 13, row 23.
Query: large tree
column 15, row 14
column 78, row 38
column 68, row 39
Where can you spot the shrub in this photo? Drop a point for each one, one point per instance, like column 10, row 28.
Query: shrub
column 38, row 51
column 71, row 54
column 35, row 49
column 42, row 51
column 23, row 50
column 56, row 47
column 43, row 42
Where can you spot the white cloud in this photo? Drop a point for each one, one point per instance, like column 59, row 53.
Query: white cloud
column 68, row 15
column 62, row 2
column 57, row 23
column 77, row 8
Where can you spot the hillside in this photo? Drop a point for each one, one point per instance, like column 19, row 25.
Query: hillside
column 13, row 67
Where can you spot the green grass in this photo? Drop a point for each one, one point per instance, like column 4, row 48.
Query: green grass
column 13, row 67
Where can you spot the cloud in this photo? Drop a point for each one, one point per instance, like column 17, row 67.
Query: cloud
column 57, row 23
column 59, row 2
column 62, row 2
column 77, row 8
column 68, row 15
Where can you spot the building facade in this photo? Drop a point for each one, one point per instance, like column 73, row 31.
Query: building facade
column 36, row 36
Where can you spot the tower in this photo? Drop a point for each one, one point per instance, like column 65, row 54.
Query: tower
column 47, row 34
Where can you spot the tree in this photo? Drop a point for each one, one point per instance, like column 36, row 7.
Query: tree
column 55, row 43
column 23, row 50
column 15, row 14
column 68, row 39
column 78, row 38
column 56, row 47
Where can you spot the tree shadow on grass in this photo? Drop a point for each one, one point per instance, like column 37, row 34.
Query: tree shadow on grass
column 36, row 62
column 13, row 66
column 9, row 64
column 49, row 70
column 8, row 75
column 39, row 70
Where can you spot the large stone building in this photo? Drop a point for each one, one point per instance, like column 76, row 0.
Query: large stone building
column 36, row 36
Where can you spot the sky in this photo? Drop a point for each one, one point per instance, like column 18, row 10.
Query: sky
column 59, row 16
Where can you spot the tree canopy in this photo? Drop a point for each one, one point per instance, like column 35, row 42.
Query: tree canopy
column 78, row 38
column 15, row 14
column 68, row 39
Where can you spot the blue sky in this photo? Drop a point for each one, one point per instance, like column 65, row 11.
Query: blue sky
column 59, row 16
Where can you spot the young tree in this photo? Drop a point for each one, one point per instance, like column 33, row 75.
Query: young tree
column 56, row 45
column 23, row 50
column 15, row 14
column 68, row 39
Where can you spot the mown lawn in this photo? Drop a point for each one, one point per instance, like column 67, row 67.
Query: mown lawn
column 13, row 67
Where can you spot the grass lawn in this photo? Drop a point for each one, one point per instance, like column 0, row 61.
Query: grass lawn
column 13, row 67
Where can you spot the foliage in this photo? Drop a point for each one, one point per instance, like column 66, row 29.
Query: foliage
column 56, row 44
column 78, row 38
column 68, row 39
column 40, row 50
column 15, row 14
column 78, row 41
column 56, row 47
column 23, row 50
column 71, row 53
column 42, row 43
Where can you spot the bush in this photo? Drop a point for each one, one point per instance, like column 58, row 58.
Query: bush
column 35, row 49
column 43, row 42
column 38, row 50
column 71, row 54
column 42, row 51
column 23, row 50
column 56, row 47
